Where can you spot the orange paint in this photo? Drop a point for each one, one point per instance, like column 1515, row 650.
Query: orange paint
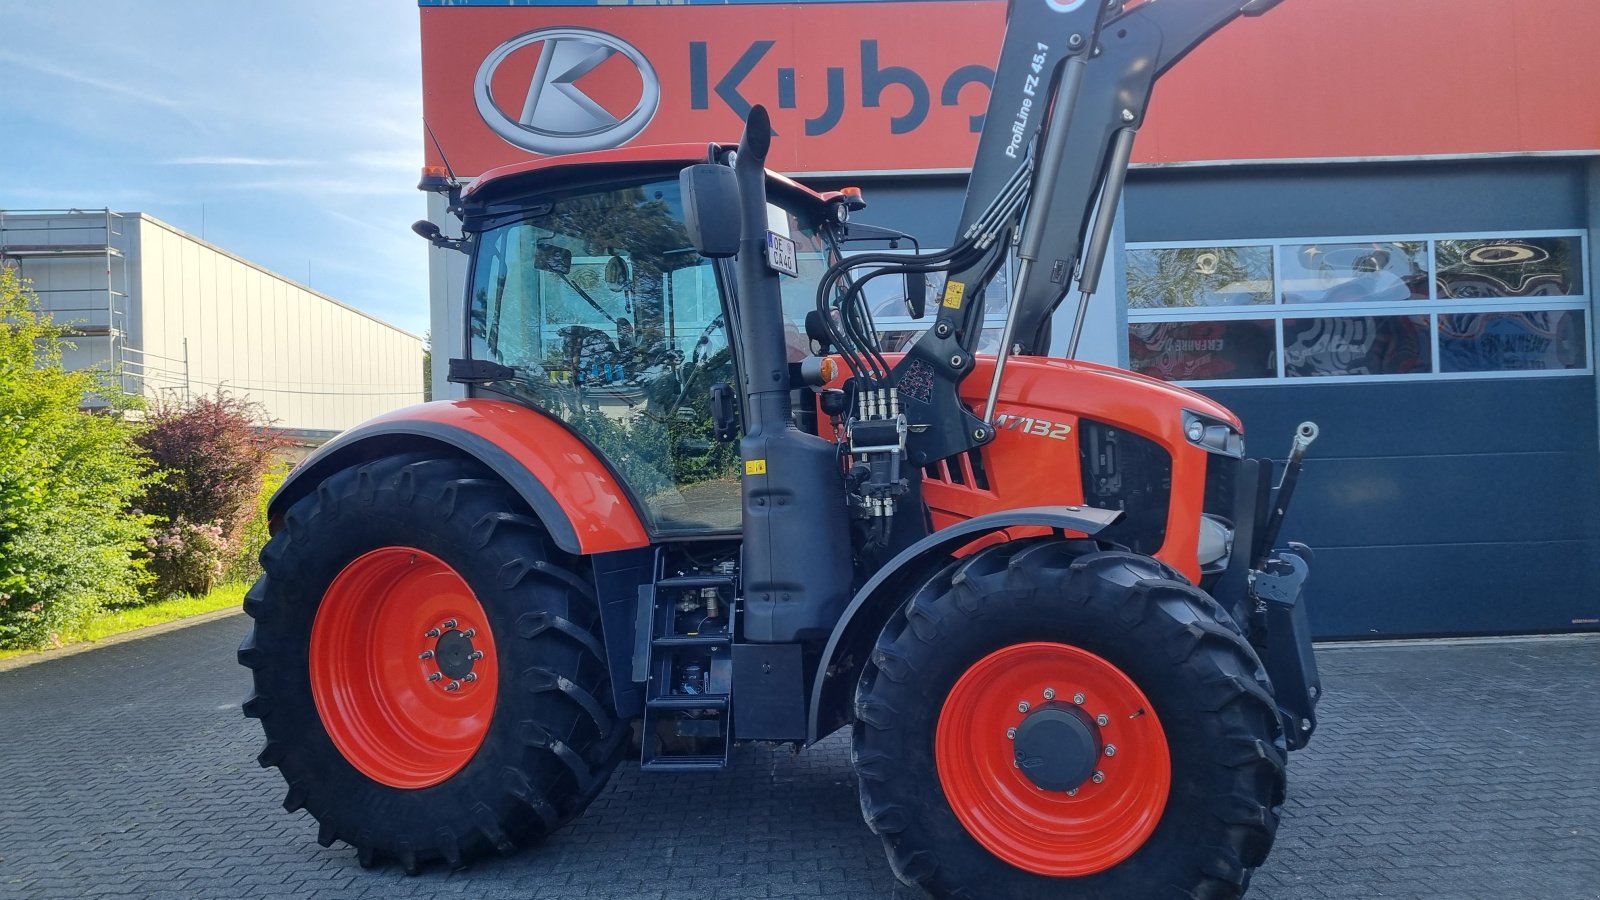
column 594, row 500
column 1310, row 79
column 1051, row 832
column 371, row 687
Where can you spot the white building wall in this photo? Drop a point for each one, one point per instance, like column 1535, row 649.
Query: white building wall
column 206, row 320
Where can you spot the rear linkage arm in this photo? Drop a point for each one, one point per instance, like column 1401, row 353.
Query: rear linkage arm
column 1096, row 83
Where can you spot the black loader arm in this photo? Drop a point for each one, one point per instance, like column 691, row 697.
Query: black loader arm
column 1071, row 90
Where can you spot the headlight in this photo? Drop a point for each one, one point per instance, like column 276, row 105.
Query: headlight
column 1212, row 434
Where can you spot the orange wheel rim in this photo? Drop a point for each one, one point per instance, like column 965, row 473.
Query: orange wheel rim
column 403, row 667
column 1063, row 831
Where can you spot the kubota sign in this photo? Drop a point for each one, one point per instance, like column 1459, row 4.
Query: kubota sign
column 849, row 86
column 862, row 87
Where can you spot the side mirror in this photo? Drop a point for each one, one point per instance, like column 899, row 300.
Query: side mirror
column 552, row 258
column 617, row 275
column 711, row 209
column 916, row 294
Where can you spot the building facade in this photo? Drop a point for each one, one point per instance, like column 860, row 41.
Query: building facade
column 175, row 317
column 1331, row 217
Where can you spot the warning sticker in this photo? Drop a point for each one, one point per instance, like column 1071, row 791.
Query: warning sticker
column 755, row 467
column 952, row 294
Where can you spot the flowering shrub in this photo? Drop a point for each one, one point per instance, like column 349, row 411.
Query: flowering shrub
column 188, row 557
column 211, row 454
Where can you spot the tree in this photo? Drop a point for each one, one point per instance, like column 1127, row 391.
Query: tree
column 69, row 543
column 427, row 365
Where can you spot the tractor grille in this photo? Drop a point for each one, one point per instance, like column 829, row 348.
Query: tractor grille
column 1221, row 474
column 1122, row 470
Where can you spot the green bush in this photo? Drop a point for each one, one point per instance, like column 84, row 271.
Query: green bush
column 68, row 543
column 246, row 564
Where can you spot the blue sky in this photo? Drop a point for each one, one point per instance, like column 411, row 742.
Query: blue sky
column 288, row 132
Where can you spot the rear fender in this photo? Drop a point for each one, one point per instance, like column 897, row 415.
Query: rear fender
column 833, row 686
column 582, row 504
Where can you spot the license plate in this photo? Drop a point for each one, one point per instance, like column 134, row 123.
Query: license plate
column 781, row 255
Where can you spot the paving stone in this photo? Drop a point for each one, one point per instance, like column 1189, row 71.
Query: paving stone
column 1439, row 771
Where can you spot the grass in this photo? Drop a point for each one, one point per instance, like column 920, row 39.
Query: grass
column 114, row 622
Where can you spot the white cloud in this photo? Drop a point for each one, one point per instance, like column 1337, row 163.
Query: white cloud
column 112, row 87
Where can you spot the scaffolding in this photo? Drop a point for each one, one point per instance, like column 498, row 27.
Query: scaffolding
column 77, row 261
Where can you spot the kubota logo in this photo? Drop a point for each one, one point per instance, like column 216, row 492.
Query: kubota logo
column 556, row 115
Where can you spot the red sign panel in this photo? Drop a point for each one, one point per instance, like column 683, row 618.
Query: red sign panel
column 896, row 87
column 851, row 87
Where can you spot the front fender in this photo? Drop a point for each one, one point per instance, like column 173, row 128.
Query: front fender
column 581, row 502
column 858, row 627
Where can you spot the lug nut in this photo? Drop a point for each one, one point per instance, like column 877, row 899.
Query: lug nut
column 1072, row 793
column 1049, row 693
column 1078, row 698
column 1111, row 749
column 470, row 632
column 1102, row 720
column 1098, row 777
column 435, row 676
column 426, row 654
column 476, row 654
column 448, row 624
column 1011, row 733
column 453, row 686
column 432, row 632
column 1023, row 706
column 473, row 676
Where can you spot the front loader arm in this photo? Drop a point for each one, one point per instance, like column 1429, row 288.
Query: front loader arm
column 1096, row 102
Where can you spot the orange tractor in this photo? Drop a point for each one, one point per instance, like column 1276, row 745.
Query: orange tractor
column 691, row 502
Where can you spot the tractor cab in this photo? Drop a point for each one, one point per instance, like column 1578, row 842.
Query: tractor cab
column 587, row 300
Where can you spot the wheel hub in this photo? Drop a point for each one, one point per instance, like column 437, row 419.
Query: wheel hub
column 455, row 654
column 1057, row 747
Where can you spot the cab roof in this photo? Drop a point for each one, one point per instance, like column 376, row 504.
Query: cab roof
column 531, row 175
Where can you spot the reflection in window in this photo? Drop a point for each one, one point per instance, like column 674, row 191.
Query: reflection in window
column 1378, row 272
column 1199, row 276
column 1509, row 267
column 1500, row 303
column 897, row 331
column 1200, row 351
column 1356, row 345
column 1512, row 341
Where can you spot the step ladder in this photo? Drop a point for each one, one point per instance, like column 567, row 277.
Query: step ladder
column 688, row 725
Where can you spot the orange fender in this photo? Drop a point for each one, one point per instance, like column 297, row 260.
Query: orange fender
column 582, row 503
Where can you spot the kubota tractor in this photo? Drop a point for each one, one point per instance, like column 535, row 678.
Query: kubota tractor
column 690, row 502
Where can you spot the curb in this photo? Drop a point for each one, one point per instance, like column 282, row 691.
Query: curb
column 1476, row 640
column 22, row 662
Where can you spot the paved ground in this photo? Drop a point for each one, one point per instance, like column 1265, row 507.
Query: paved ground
column 1459, row 771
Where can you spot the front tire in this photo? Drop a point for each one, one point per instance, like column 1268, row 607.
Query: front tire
column 427, row 667
column 1049, row 720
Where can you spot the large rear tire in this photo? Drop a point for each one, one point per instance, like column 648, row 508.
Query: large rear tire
column 1049, row 720
column 427, row 667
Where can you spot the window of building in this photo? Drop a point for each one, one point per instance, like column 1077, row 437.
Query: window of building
column 1384, row 308
column 897, row 330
